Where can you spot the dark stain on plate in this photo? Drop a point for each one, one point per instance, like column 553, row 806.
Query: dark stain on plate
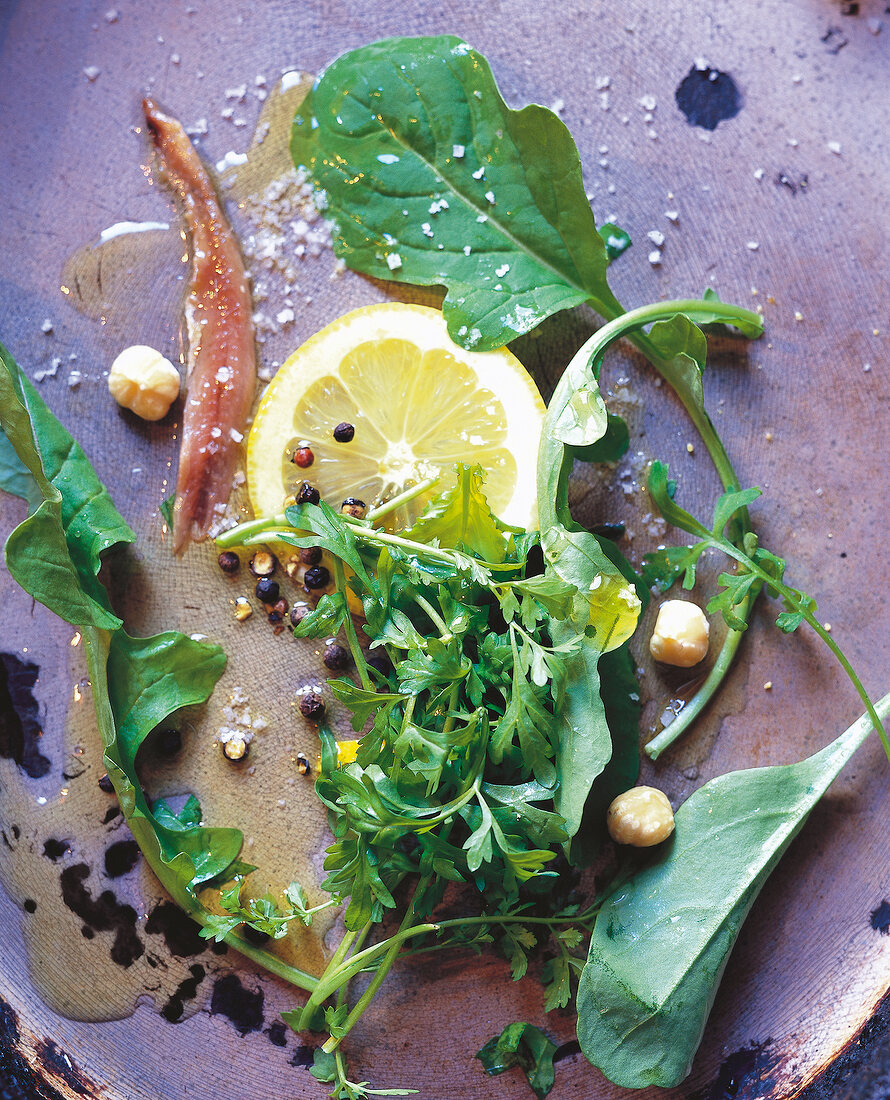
column 17, row 1072
column 20, row 730
column 179, row 932
column 746, row 1074
column 102, row 914
column 708, row 97
column 243, row 1007
column 847, row 1061
column 880, row 918
column 60, row 1065
column 277, row 1033
column 187, row 990
column 303, row 1056
column 121, row 857
column 54, row 849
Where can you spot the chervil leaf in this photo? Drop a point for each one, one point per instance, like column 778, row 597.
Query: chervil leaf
column 500, row 190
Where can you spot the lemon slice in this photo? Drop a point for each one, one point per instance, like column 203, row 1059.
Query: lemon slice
column 418, row 403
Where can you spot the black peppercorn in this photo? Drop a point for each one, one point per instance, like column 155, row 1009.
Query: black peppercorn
column 168, row 742
column 335, row 657
column 317, row 577
column 229, row 562
column 352, row 506
column 310, row 555
column 105, row 784
column 344, row 433
column 263, row 564
column 303, row 766
column 303, row 457
column 308, row 494
column 298, row 613
column 267, row 591
column 312, row 706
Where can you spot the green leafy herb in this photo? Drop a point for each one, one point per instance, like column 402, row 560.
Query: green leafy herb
column 756, row 568
column 501, row 190
column 136, row 682
column 522, row 1045
column 661, row 941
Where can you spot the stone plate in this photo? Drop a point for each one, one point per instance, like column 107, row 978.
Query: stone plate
column 774, row 159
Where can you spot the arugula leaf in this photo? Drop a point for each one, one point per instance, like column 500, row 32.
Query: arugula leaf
column 460, row 517
column 661, row 941
column 136, row 682
column 522, row 1045
column 71, row 528
column 422, row 119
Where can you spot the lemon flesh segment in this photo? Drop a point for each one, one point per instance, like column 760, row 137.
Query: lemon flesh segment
column 419, row 405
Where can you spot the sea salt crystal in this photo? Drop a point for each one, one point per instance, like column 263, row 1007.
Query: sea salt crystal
column 558, row 106
column 490, row 196
column 284, row 316
column 47, row 326
column 656, row 237
column 672, row 216
column 458, row 151
column 648, row 102
column 91, row 72
column 231, row 160
column 479, row 173
column 834, row 147
column 758, row 174
column 602, row 82
column 74, row 379
column 198, row 129
column 752, row 246
column 393, row 261
column 237, row 94
column 655, row 257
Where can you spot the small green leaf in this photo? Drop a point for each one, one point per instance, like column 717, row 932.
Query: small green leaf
column 522, row 1045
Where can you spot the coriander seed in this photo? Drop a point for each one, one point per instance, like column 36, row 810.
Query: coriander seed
column 263, row 564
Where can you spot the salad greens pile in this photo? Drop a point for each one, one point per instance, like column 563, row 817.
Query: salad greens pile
column 497, row 702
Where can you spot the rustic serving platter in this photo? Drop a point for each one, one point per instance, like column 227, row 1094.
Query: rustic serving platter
column 751, row 136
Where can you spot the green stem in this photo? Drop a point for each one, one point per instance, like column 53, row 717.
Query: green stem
column 792, row 599
column 140, row 820
column 358, row 658
column 725, row 471
column 380, row 976
column 437, row 619
column 705, row 693
column 238, row 536
column 403, row 498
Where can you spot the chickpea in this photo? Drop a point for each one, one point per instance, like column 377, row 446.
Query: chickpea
column 142, row 380
column 641, row 816
column 681, row 634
